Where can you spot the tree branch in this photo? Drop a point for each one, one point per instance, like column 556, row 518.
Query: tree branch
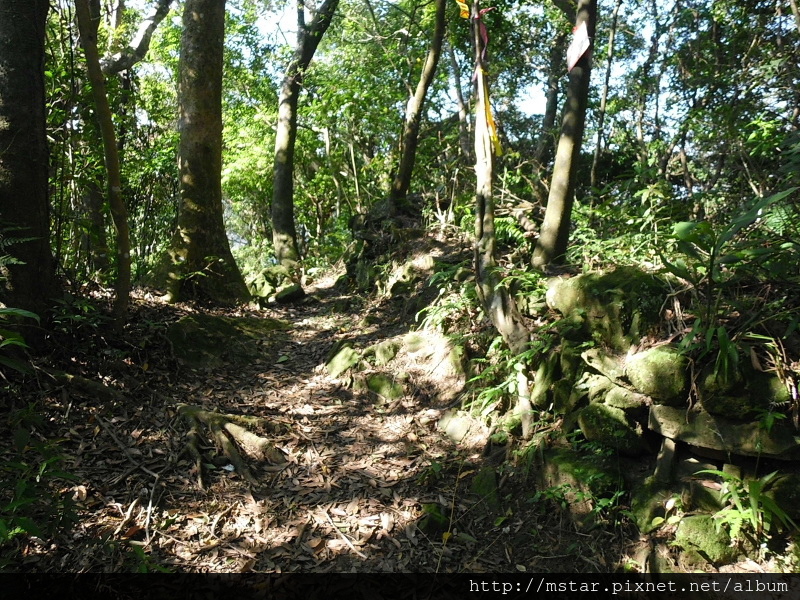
column 140, row 44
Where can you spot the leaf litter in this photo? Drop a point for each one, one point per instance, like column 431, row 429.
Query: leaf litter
column 348, row 492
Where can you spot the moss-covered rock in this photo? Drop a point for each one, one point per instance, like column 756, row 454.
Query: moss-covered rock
column 611, row 427
column 736, row 408
column 580, row 478
column 606, row 364
column 597, row 387
column 699, row 533
column 613, row 308
column 343, row 359
column 648, row 503
column 635, row 406
column 291, row 293
column 384, row 386
column 660, row 373
column 699, row 428
column 785, row 492
column 384, row 352
column 484, row 484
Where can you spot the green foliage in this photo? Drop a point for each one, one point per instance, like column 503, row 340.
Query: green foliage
column 749, row 512
column 76, row 313
column 30, row 503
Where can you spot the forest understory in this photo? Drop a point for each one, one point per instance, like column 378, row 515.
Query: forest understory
column 357, row 484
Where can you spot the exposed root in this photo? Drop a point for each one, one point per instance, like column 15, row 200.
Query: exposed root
column 230, row 434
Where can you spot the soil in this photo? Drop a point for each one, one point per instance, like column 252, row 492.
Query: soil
column 364, row 486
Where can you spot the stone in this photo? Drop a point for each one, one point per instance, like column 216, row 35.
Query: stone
column 344, row 359
column 660, row 373
column 699, row 533
column 385, row 386
column 289, row 294
column 613, row 308
column 597, row 387
column 785, row 492
column 456, row 425
column 648, row 502
column 604, row 363
column 383, row 352
column 612, row 428
column 699, row 428
column 484, row 484
column 632, row 404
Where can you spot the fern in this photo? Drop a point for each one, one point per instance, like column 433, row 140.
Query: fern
column 508, row 231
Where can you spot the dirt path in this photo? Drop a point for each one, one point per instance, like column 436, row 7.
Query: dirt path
column 367, row 486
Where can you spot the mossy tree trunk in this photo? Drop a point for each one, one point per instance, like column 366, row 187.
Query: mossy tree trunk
column 284, row 233
column 29, row 282
column 552, row 244
column 201, row 261
column 408, row 142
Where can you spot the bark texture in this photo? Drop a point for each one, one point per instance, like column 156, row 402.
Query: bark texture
column 29, row 282
column 284, row 233
column 408, row 143
column 552, row 244
column 202, row 263
column 88, row 25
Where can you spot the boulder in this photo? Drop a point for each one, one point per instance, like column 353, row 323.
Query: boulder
column 614, row 308
column 699, row 533
column 659, row 372
column 699, row 428
column 611, row 427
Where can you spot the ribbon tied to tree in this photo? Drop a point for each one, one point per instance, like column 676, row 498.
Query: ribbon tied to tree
column 485, row 125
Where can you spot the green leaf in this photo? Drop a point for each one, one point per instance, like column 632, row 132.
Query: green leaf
column 19, row 313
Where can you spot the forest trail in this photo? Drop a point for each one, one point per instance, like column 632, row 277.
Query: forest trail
column 366, row 486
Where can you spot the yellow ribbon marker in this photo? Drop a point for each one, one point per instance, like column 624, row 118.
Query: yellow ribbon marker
column 464, row 9
column 484, row 122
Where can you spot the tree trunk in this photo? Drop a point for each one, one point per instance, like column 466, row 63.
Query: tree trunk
column 29, row 282
column 202, row 263
column 598, row 149
column 463, row 110
column 284, row 233
column 408, row 144
column 552, row 244
column 88, row 25
column 546, row 143
column 494, row 296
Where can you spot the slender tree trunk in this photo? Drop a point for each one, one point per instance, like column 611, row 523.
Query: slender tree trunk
column 29, row 282
column 545, row 145
column 552, row 244
column 463, row 110
column 202, row 263
column 598, row 149
column 284, row 233
column 88, row 24
column 408, row 144
column 494, row 296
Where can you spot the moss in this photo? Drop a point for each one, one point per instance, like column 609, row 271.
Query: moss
column 384, row 386
column 648, row 502
column 699, row 533
column 660, row 373
column 201, row 340
column 345, row 358
column 611, row 427
column 484, row 484
column 613, row 307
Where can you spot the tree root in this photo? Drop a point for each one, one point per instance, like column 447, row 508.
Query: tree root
column 228, row 432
